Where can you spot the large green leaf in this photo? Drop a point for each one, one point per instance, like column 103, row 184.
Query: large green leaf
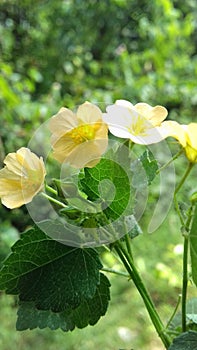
column 88, row 312
column 185, row 341
column 193, row 247
column 52, row 275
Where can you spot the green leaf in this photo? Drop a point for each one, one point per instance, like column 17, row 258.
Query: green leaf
column 150, row 165
column 51, row 274
column 108, row 181
column 88, row 312
column 193, row 247
column 144, row 169
column 185, row 341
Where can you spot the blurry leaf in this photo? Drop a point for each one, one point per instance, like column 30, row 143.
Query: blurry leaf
column 193, row 247
column 132, row 226
column 191, row 312
column 51, row 274
column 88, row 312
column 185, row 341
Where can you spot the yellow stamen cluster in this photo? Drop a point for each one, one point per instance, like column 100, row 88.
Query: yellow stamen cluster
column 82, row 133
column 139, row 127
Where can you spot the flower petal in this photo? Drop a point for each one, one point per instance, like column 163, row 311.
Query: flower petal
column 62, row 148
column 191, row 130
column 22, row 178
column 153, row 135
column 155, row 114
column 87, row 154
column 124, row 103
column 174, row 129
column 119, row 116
column 88, row 113
column 14, row 200
column 62, row 122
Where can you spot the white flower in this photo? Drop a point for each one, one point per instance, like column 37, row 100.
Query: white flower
column 141, row 123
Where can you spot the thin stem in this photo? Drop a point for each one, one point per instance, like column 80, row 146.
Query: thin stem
column 128, row 245
column 130, row 267
column 121, row 273
column 174, row 312
column 50, row 189
column 180, row 184
column 185, row 268
column 176, row 204
column 184, row 282
column 53, row 200
column 170, row 161
column 186, row 226
column 178, row 187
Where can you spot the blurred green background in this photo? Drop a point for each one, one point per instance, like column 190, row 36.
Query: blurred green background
column 61, row 53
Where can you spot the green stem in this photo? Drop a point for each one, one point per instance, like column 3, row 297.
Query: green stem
column 185, row 226
column 53, row 200
column 178, row 187
column 130, row 267
column 50, row 189
column 170, row 161
column 180, row 184
column 184, row 282
column 120, row 273
column 174, row 312
column 127, row 240
column 185, row 268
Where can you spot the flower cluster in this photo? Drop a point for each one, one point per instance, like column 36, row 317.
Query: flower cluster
column 81, row 138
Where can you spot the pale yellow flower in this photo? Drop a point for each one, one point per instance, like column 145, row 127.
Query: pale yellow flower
column 140, row 123
column 186, row 135
column 21, row 178
column 79, row 139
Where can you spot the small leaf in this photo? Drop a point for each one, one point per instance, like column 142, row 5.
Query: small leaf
column 51, row 274
column 150, row 165
column 185, row 341
column 88, row 312
column 193, row 247
column 144, row 169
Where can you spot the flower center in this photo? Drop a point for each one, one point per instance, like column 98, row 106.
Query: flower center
column 83, row 133
column 139, row 126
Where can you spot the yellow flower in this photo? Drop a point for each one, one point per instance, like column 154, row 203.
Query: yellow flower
column 79, row 139
column 21, row 178
column 186, row 135
column 140, row 123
